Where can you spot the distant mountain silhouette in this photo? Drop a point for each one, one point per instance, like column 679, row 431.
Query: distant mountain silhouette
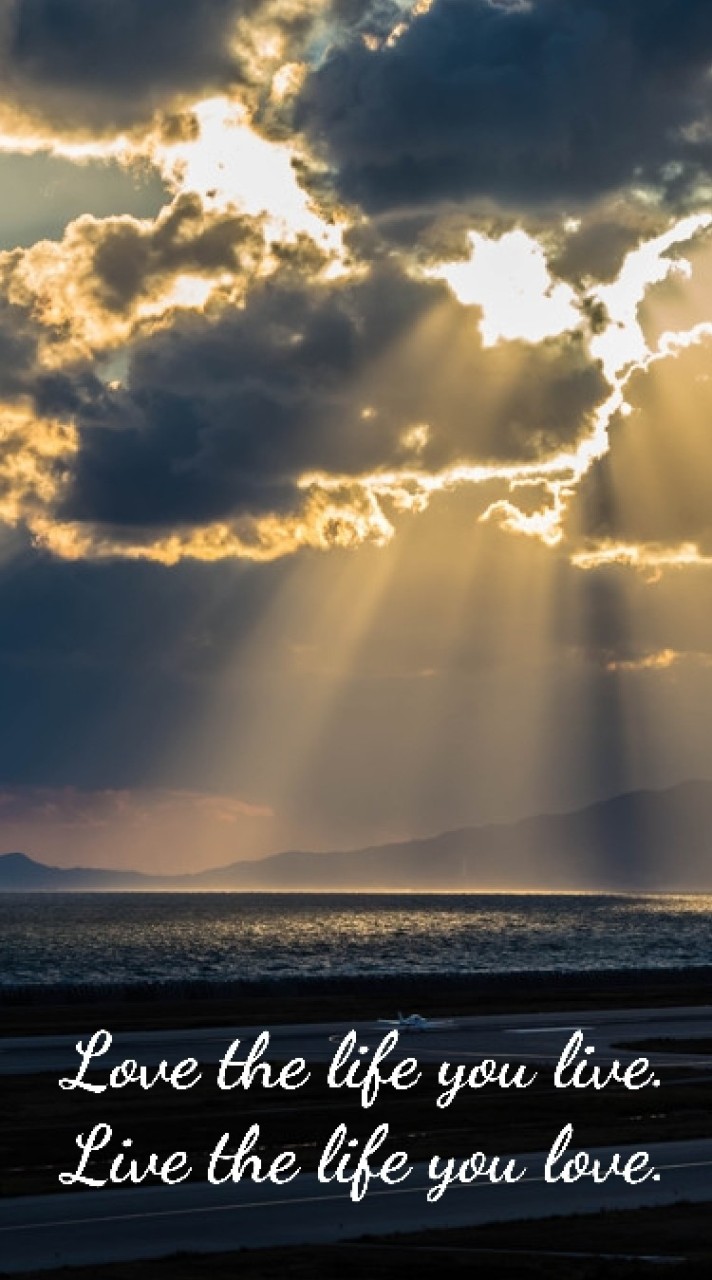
column 643, row 840
column 23, row 875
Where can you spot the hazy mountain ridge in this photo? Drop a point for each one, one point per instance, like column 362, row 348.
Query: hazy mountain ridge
column 637, row 841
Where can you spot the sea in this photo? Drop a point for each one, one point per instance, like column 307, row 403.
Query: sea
column 97, row 940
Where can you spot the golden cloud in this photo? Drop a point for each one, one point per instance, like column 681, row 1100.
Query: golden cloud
column 34, row 457
column 650, row 558
column 326, row 521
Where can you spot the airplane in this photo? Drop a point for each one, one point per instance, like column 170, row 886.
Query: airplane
column 415, row 1022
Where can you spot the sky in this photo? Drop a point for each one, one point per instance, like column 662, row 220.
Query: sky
column 355, row 418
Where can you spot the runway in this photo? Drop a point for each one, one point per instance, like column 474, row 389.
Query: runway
column 74, row 1229
column 92, row 1226
column 507, row 1037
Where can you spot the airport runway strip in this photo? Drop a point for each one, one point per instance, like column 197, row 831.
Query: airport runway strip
column 91, row 1227
column 94, row 1226
column 521, row 1037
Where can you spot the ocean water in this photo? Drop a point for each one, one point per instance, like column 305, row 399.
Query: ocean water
column 139, row 938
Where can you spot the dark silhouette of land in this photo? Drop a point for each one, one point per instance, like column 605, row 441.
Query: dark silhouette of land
column 637, row 842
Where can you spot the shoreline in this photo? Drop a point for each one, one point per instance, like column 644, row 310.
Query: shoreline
column 53, row 1009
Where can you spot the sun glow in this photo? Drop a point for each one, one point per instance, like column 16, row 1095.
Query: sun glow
column 230, row 165
column 510, row 280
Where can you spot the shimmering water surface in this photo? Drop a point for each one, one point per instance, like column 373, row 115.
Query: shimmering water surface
column 136, row 938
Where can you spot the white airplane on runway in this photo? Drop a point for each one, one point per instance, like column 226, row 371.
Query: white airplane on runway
column 415, row 1022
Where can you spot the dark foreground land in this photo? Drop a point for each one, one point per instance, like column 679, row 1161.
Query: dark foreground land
column 669, row 1044
column 55, row 1011
column 617, row 1246
column 39, row 1124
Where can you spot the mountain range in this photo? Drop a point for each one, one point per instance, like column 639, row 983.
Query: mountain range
column 642, row 840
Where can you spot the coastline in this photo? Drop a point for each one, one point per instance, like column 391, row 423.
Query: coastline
column 52, row 1009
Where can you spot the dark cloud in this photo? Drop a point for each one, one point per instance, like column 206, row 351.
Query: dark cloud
column 103, row 63
column 221, row 415
column 521, row 102
column 129, row 257
column 595, row 247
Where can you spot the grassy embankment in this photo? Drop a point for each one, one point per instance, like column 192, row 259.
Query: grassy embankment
column 607, row 1245
column 352, row 1000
